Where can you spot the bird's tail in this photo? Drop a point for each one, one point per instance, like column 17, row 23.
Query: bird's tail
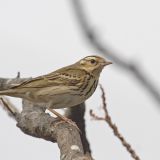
column 7, row 92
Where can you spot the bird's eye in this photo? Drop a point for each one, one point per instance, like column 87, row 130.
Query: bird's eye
column 93, row 61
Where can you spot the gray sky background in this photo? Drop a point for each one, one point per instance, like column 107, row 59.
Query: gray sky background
column 38, row 36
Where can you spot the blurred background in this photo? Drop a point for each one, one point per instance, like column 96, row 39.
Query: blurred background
column 37, row 37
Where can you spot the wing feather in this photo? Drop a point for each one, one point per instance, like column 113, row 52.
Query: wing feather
column 52, row 79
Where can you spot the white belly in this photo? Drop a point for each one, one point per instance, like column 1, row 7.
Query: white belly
column 67, row 101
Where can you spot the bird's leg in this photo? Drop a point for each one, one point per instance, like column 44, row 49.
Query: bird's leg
column 64, row 118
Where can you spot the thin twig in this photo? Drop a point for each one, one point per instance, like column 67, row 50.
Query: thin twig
column 107, row 118
column 105, row 50
column 18, row 75
column 9, row 107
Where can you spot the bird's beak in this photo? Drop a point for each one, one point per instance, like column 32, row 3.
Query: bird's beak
column 106, row 63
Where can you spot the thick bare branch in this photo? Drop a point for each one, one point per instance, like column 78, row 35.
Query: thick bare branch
column 126, row 65
column 77, row 115
column 35, row 122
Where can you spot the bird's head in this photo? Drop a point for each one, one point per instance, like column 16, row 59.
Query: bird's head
column 93, row 64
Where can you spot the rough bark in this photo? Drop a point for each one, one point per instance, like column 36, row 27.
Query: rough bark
column 77, row 115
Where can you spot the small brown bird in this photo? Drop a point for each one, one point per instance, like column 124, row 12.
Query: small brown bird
column 65, row 87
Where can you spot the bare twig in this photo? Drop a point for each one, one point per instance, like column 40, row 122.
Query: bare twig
column 9, row 107
column 126, row 65
column 35, row 122
column 107, row 118
column 18, row 75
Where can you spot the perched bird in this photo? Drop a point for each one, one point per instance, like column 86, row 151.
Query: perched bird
column 65, row 87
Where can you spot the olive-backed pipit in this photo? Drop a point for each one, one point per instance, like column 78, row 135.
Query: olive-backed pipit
column 65, row 87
